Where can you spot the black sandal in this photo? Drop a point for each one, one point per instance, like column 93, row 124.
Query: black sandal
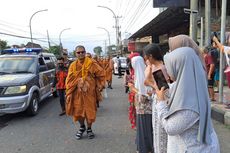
column 80, row 132
column 90, row 134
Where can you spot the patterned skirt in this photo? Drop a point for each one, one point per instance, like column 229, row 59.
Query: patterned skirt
column 132, row 110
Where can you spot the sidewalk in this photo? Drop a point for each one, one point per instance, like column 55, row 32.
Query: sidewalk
column 219, row 110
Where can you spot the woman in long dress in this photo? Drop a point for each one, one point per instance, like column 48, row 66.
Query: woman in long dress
column 152, row 53
column 144, row 137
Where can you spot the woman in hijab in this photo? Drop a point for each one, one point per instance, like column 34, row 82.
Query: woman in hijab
column 187, row 117
column 185, row 41
column 144, row 138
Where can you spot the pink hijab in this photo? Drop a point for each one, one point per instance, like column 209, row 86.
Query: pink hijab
column 185, row 41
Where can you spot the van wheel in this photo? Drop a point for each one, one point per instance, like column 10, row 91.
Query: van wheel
column 33, row 106
column 55, row 94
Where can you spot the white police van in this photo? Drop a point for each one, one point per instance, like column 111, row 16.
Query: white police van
column 26, row 77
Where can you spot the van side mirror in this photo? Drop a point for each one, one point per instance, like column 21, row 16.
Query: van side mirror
column 42, row 68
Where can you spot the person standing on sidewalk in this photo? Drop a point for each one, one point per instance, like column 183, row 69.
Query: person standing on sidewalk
column 186, row 114
column 144, row 137
column 210, row 69
column 153, row 54
column 84, row 76
column 59, row 83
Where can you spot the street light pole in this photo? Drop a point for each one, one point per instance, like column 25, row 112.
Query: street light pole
column 31, row 20
column 60, row 39
column 108, row 37
column 116, row 24
column 107, row 33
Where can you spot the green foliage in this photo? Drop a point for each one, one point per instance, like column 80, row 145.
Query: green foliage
column 3, row 44
column 72, row 54
column 55, row 50
column 97, row 50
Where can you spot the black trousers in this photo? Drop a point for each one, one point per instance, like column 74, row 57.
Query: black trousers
column 119, row 71
column 61, row 93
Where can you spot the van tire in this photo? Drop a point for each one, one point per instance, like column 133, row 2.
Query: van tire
column 32, row 109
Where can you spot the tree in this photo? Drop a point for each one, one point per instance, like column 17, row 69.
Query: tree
column 97, row 50
column 111, row 49
column 55, row 50
column 3, row 44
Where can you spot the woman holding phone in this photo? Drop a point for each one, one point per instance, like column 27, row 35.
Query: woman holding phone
column 186, row 115
column 154, row 58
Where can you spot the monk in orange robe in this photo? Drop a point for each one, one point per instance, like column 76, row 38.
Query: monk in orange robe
column 109, row 71
column 84, row 77
column 99, row 93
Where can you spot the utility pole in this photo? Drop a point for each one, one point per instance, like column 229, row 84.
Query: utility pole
column 201, row 32
column 223, row 24
column 193, row 19
column 207, row 22
column 116, row 25
column 48, row 38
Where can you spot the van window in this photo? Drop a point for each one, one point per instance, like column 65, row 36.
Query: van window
column 41, row 61
column 49, row 62
column 17, row 64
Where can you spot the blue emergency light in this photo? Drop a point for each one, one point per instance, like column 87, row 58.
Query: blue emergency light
column 22, row 50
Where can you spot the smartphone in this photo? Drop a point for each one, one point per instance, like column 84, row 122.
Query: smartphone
column 160, row 79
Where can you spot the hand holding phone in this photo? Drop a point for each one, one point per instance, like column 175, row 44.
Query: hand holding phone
column 160, row 79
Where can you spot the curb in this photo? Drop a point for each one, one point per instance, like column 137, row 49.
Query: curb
column 220, row 113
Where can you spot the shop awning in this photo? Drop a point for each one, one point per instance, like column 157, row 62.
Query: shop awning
column 166, row 21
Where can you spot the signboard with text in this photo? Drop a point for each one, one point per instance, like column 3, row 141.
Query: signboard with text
column 170, row 3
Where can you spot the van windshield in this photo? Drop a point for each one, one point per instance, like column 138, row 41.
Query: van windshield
column 18, row 64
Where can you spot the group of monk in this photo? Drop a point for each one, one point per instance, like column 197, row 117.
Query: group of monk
column 86, row 79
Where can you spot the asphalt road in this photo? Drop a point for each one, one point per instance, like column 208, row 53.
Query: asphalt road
column 49, row 133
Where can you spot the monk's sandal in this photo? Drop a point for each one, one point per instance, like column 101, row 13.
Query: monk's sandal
column 90, row 134
column 80, row 132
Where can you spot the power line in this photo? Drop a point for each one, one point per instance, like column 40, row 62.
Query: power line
column 120, row 6
column 135, row 13
column 124, row 12
column 18, row 36
column 132, row 10
column 136, row 16
column 8, row 26
column 141, row 17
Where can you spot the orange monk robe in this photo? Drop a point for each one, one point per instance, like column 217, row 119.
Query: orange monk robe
column 110, row 71
column 107, row 70
column 82, row 102
column 99, row 93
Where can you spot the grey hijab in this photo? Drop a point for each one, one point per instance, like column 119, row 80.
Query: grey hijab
column 191, row 90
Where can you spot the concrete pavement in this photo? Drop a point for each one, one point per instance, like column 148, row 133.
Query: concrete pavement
column 220, row 112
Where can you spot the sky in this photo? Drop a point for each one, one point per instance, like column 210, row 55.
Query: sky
column 81, row 16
